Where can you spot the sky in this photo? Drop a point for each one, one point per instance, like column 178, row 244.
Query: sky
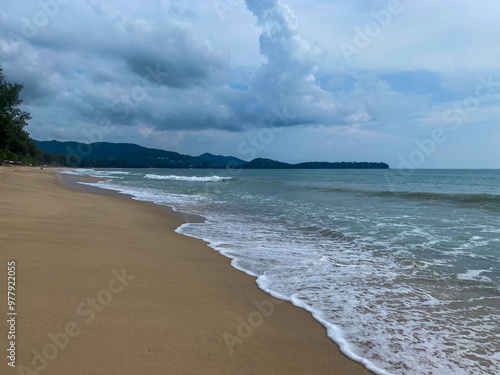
column 415, row 84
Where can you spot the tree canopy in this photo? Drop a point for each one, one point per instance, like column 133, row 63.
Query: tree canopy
column 15, row 142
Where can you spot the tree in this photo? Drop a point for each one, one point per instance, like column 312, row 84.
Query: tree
column 15, row 142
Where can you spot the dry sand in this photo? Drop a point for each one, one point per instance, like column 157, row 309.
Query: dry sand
column 180, row 308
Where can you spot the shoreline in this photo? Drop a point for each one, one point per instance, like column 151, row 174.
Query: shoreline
column 202, row 306
column 79, row 182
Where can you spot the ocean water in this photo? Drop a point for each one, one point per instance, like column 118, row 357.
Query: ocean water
column 402, row 267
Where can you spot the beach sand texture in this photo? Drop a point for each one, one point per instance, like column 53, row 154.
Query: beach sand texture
column 105, row 286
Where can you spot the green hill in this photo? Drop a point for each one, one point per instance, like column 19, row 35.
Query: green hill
column 123, row 155
column 229, row 161
column 128, row 155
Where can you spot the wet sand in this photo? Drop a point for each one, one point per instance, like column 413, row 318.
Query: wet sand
column 105, row 286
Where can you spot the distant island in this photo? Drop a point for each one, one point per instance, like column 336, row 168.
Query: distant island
column 128, row 155
column 273, row 164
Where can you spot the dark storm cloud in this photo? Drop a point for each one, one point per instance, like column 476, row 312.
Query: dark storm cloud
column 96, row 55
column 142, row 65
column 159, row 69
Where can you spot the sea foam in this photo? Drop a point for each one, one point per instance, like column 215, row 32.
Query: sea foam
column 186, row 178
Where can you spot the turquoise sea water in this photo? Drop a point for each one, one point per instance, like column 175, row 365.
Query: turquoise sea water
column 402, row 267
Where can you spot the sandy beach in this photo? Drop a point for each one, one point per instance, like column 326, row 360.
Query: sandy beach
column 105, row 286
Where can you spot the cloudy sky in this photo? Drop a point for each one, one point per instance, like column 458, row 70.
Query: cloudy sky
column 411, row 83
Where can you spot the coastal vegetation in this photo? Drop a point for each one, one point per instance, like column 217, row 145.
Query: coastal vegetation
column 15, row 142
